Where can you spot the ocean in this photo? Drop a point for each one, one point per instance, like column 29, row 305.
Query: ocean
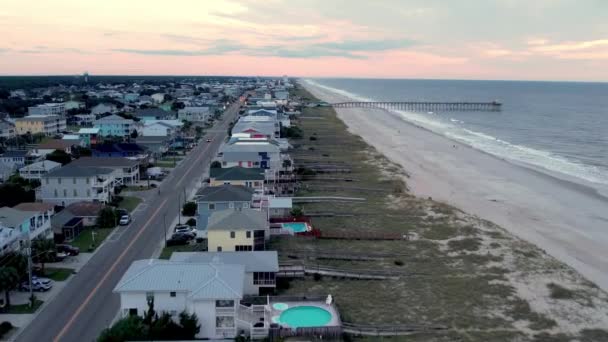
column 561, row 127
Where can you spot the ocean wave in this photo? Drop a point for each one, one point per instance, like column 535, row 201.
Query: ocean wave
column 490, row 144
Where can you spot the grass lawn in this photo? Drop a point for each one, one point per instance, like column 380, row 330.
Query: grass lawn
column 137, row 188
column 58, row 273
column 129, row 203
column 25, row 308
column 164, row 164
column 167, row 251
column 85, row 239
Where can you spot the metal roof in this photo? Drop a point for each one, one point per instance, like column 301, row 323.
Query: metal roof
column 199, row 280
column 46, row 165
column 12, row 218
column 78, row 171
column 256, row 261
column 237, row 219
column 104, row 162
column 236, row 173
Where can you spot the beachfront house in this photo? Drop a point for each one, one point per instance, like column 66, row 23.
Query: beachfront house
column 27, row 224
column 214, row 198
column 89, row 136
column 194, row 114
column 248, row 177
column 261, row 267
column 44, row 124
column 72, row 183
column 263, row 154
column 235, row 230
column 210, row 290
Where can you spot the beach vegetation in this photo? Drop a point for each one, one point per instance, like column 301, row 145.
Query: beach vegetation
column 557, row 291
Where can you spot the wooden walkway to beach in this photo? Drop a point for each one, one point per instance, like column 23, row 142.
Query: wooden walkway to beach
column 351, row 235
column 417, row 106
column 389, row 330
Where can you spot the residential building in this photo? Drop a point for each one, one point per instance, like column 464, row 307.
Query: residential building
column 155, row 145
column 213, row 198
column 212, row 291
column 40, row 218
column 263, row 154
column 247, row 177
column 194, row 113
column 71, row 183
column 38, row 169
column 236, row 230
column 74, row 219
column 126, row 170
column 269, row 129
column 89, row 135
column 114, row 125
column 278, row 207
column 148, row 114
column 47, row 109
column 45, row 124
column 103, row 108
column 158, row 97
column 158, row 129
column 73, row 105
column 260, row 267
column 7, row 130
column 14, row 159
column 9, row 239
column 26, row 224
column 131, row 97
column 51, row 145
column 84, row 119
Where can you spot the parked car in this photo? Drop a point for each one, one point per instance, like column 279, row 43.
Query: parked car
column 44, row 281
column 37, row 286
column 67, row 249
column 178, row 240
column 124, row 220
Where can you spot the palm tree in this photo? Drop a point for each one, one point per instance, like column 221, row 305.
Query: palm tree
column 9, row 280
column 43, row 251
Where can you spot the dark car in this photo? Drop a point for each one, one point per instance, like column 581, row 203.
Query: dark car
column 178, row 240
column 67, row 249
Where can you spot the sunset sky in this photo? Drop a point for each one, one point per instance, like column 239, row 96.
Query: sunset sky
column 465, row 39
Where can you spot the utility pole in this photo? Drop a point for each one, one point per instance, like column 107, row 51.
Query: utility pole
column 164, row 230
column 28, row 251
column 179, row 208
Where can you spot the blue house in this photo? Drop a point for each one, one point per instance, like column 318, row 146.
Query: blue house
column 214, row 198
column 118, row 150
column 114, row 125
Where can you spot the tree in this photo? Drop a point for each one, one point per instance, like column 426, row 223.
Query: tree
column 59, row 156
column 4, row 94
column 199, row 131
column 296, row 212
column 17, row 261
column 189, row 209
column 189, row 325
column 13, row 194
column 177, row 105
column 216, row 164
column 43, row 251
column 107, row 218
column 9, row 280
column 134, row 134
column 130, row 328
column 191, row 222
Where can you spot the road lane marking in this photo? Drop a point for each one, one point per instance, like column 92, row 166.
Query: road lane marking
column 67, row 326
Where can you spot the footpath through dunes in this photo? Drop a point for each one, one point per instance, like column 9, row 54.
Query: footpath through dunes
column 454, row 270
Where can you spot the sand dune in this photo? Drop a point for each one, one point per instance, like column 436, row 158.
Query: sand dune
column 568, row 220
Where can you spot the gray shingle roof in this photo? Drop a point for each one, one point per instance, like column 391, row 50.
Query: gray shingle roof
column 225, row 193
column 77, row 171
column 236, row 173
column 104, row 162
column 256, row 261
column 240, row 219
column 198, row 280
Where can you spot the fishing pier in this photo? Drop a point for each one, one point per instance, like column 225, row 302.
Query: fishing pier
column 416, row 106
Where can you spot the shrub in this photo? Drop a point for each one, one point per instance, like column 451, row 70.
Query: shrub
column 5, row 327
column 560, row 292
column 317, row 277
column 312, row 138
column 191, row 222
column 216, row 164
column 189, row 209
column 398, row 262
column 107, row 218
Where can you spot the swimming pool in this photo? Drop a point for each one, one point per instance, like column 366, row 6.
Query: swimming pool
column 296, row 227
column 305, row 316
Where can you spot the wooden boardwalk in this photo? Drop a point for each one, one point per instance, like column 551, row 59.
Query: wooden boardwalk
column 389, row 330
column 350, row 235
column 314, row 199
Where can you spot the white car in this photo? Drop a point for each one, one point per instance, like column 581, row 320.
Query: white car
column 124, row 220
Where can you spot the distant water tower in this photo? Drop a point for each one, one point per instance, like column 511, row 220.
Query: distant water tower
column 86, row 77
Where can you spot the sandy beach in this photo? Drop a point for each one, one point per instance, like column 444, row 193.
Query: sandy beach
column 567, row 220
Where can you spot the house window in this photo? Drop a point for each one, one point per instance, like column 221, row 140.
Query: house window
column 211, row 206
column 219, row 248
column 243, row 248
column 172, row 294
column 58, row 180
column 232, row 235
column 231, row 205
column 55, row 191
column 133, row 312
column 88, row 180
column 65, row 193
column 256, row 163
column 246, row 205
column 224, row 322
column 74, row 180
column 88, row 192
column 264, row 278
column 224, row 303
column 224, row 163
column 75, row 193
column 248, row 234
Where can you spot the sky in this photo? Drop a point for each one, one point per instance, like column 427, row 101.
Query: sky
column 447, row 39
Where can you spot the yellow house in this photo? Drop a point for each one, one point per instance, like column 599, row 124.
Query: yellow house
column 237, row 230
column 45, row 124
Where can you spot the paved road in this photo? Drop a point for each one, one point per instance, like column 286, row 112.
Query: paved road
column 87, row 305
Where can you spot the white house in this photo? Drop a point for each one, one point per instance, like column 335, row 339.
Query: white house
column 158, row 129
column 103, row 108
column 38, row 169
column 47, row 109
column 210, row 290
column 260, row 266
column 158, row 97
column 40, row 215
column 126, row 171
column 194, row 113
column 72, row 183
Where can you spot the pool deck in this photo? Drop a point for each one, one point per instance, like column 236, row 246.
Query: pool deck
column 335, row 317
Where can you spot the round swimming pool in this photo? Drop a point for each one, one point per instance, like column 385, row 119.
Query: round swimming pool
column 305, row 316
